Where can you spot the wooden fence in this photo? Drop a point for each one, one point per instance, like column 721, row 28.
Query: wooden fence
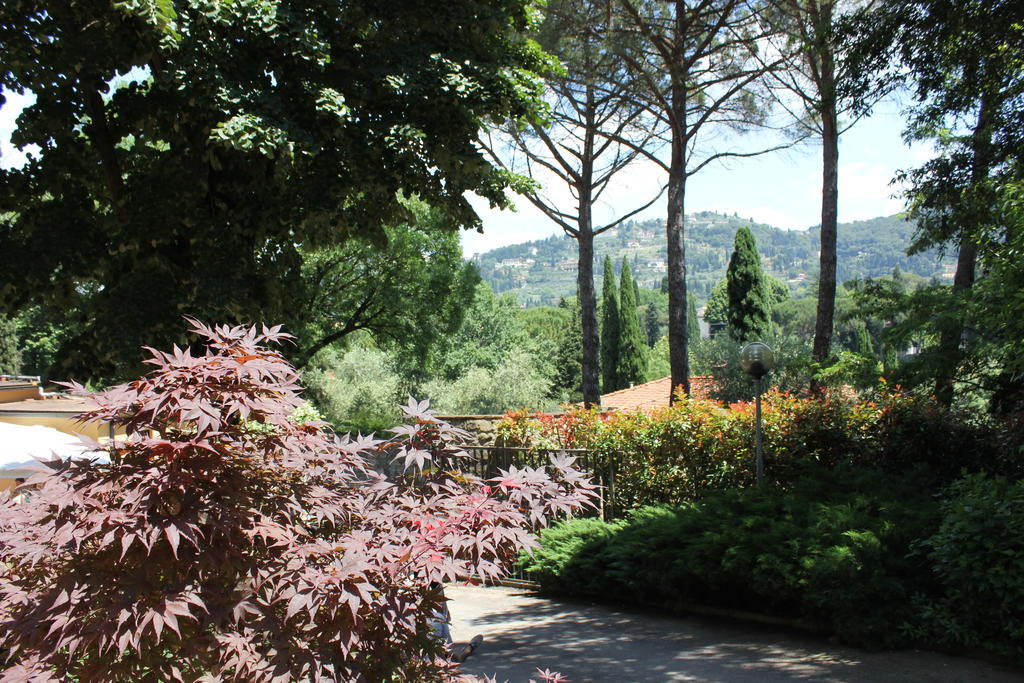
column 488, row 460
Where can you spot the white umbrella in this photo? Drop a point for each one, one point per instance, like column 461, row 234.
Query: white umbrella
column 22, row 448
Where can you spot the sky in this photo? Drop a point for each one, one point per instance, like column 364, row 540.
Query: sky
column 10, row 156
column 782, row 188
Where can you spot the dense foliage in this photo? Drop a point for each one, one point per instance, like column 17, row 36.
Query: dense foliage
column 961, row 61
column 687, row 451
column 491, row 364
column 189, row 150
column 230, row 539
column 719, row 357
column 356, row 390
column 408, row 289
column 869, row 556
column 501, row 357
column 977, row 557
column 832, row 550
column 10, row 354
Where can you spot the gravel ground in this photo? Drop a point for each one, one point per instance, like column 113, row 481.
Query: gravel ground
column 589, row 642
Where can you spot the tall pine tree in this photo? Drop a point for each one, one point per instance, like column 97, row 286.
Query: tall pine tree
column 745, row 282
column 609, row 328
column 632, row 353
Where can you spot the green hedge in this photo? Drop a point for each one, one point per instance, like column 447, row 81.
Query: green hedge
column 694, row 448
column 873, row 557
column 977, row 557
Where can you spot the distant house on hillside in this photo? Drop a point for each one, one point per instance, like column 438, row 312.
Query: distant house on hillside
column 654, row 394
column 516, row 263
column 658, row 266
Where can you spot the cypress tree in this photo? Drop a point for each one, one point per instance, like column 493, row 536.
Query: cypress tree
column 864, row 345
column 609, row 328
column 632, row 352
column 745, row 282
column 692, row 324
column 653, row 325
column 569, row 356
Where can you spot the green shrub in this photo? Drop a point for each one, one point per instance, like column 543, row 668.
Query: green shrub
column 670, row 456
column 356, row 390
column 517, row 381
column 833, row 549
column 977, row 555
column 693, row 448
column 910, row 430
column 719, row 357
column 561, row 560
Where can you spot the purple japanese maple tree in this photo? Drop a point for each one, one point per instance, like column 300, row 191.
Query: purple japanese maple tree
column 228, row 540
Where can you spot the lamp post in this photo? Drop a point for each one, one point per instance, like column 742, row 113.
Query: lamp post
column 757, row 360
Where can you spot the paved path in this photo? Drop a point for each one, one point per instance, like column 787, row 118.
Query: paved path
column 588, row 642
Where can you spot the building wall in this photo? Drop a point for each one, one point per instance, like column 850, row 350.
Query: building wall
column 61, row 422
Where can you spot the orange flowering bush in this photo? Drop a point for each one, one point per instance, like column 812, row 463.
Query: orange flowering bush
column 682, row 452
column 574, row 428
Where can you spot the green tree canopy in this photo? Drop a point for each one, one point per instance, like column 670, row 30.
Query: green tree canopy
column 490, row 330
column 190, row 151
column 717, row 308
column 749, row 306
column 569, row 356
column 963, row 62
column 652, row 325
column 408, row 291
column 492, row 364
column 777, row 290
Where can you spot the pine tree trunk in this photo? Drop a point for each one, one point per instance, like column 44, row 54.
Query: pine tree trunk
column 591, row 366
column 588, row 316
column 824, row 320
column 675, row 227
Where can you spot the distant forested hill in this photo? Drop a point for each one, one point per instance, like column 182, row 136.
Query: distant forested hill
column 542, row 271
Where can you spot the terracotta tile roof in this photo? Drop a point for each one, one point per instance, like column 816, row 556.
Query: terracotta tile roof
column 654, row 394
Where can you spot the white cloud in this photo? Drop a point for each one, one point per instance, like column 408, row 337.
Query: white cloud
column 502, row 228
column 865, row 191
column 760, row 214
column 628, row 191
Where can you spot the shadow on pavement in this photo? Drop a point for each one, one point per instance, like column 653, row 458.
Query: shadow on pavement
column 523, row 632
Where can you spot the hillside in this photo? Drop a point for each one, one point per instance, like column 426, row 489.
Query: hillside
column 542, row 271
